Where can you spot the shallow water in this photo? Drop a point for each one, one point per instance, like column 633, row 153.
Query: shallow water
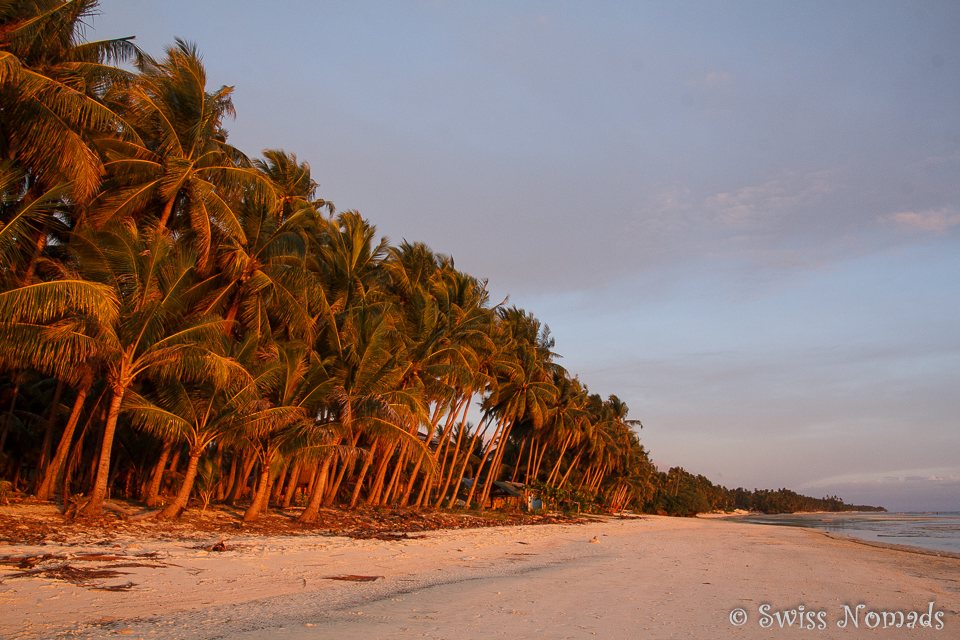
column 939, row 531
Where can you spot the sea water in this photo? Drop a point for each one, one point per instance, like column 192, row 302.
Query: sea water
column 938, row 531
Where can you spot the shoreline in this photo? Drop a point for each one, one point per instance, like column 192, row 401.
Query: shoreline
column 848, row 528
column 672, row 576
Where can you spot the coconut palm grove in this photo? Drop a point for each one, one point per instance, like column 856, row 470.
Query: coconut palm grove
column 183, row 323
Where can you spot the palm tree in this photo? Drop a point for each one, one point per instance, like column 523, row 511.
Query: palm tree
column 154, row 334
column 567, row 419
column 181, row 170
column 137, row 246
column 528, row 392
column 50, row 85
column 435, row 335
column 344, row 257
column 295, row 188
column 196, row 414
column 26, row 216
column 291, row 389
column 367, row 399
column 261, row 281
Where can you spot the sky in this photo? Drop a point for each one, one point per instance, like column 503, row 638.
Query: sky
column 742, row 218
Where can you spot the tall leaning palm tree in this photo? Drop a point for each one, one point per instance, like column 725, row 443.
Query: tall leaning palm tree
column 155, row 333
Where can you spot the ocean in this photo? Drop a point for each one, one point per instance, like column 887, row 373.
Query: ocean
column 938, row 531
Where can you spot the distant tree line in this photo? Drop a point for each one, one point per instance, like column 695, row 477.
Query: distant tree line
column 681, row 493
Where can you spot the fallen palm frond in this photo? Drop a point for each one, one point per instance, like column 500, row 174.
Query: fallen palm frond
column 69, row 573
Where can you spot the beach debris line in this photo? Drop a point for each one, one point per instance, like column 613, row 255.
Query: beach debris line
column 44, row 524
column 115, row 587
column 63, row 568
column 79, row 576
column 354, row 578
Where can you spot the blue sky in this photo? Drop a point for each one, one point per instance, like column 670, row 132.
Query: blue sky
column 743, row 218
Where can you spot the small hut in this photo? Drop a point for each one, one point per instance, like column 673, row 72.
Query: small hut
column 502, row 494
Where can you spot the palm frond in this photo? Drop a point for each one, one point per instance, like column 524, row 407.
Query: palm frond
column 47, row 301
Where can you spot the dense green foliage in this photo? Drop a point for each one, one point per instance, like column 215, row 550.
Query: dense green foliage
column 177, row 319
column 681, row 493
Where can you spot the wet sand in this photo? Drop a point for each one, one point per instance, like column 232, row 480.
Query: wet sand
column 644, row 578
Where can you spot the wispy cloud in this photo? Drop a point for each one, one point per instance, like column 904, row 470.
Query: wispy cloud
column 929, row 476
column 753, row 204
column 931, row 221
column 742, row 208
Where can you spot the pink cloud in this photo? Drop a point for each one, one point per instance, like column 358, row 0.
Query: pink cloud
column 936, row 221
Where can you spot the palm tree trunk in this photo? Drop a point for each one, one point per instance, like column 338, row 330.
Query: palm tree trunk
column 445, row 442
column 591, row 476
column 261, row 496
column 223, row 487
column 456, row 452
column 95, row 505
column 361, row 476
column 441, row 454
column 278, row 483
column 292, row 483
column 483, row 459
column 218, row 465
column 413, row 476
column 313, row 478
column 516, row 466
column 249, row 460
column 309, row 514
column 55, row 467
column 73, row 460
column 175, row 508
column 416, row 469
column 395, row 476
column 466, row 461
column 48, row 434
column 153, row 491
column 497, row 458
column 376, row 487
column 537, row 460
column 536, row 467
column 334, row 489
column 346, row 468
column 588, row 478
column 585, row 476
column 570, row 468
column 531, row 456
column 601, row 472
column 424, row 489
column 556, row 467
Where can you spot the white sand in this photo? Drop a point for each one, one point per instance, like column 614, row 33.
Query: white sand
column 649, row 578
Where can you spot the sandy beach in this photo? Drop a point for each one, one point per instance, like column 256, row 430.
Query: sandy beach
column 652, row 577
